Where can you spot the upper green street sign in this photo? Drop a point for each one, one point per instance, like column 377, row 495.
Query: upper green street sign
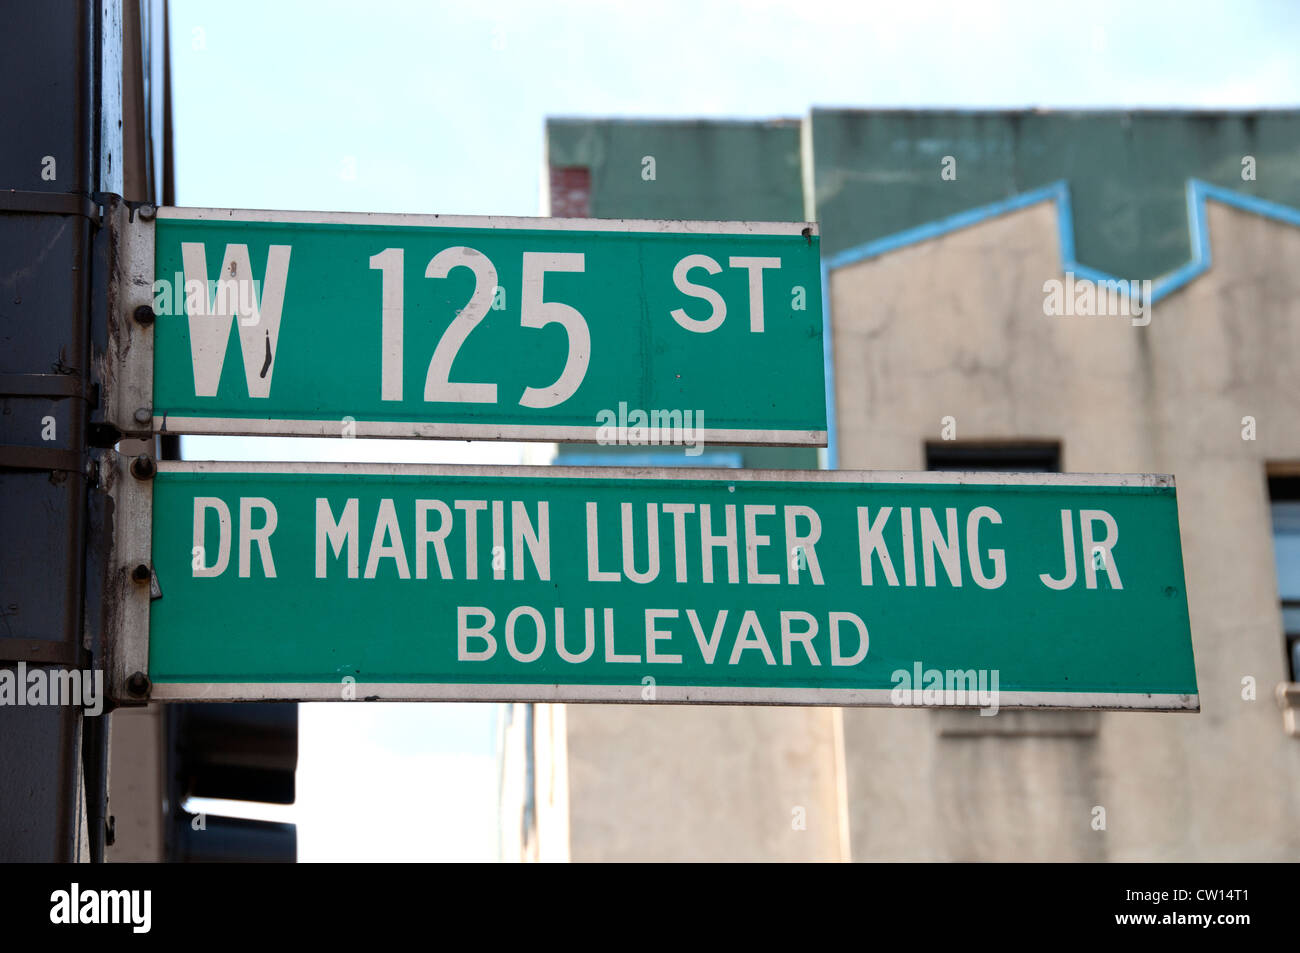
column 329, row 581
column 334, row 324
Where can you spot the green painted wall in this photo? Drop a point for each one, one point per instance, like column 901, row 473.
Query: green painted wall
column 877, row 172
column 704, row 170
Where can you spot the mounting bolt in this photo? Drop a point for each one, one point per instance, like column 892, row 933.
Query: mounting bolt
column 142, row 467
column 146, row 212
column 144, row 315
column 143, row 415
column 140, row 573
column 138, row 684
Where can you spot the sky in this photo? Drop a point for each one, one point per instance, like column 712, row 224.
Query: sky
column 440, row 107
column 435, row 107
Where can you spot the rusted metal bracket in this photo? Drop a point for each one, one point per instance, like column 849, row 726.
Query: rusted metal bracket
column 40, row 652
column 132, row 583
column 41, row 458
column 50, row 203
column 125, row 371
column 48, row 386
column 53, row 386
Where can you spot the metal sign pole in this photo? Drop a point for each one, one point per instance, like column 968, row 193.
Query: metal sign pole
column 49, row 170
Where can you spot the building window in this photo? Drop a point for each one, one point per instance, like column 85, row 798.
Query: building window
column 1017, row 457
column 1026, row 457
column 1285, row 494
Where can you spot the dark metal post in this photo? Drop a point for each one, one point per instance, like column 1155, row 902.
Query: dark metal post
column 51, row 162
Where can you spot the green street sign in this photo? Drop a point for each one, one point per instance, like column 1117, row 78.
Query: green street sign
column 623, row 332
column 326, row 581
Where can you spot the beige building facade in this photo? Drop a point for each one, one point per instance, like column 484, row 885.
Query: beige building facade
column 1170, row 397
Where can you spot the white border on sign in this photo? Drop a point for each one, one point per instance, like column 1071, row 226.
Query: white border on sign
column 679, row 474
column 664, row 694
column 545, row 433
column 392, row 219
column 548, row 433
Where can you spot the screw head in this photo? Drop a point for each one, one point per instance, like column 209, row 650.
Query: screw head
column 142, row 467
column 140, row 573
column 138, row 684
column 144, row 315
column 146, row 212
column 143, row 415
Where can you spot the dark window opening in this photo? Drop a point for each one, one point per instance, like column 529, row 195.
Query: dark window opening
column 1284, row 491
column 1018, row 457
column 1027, row 457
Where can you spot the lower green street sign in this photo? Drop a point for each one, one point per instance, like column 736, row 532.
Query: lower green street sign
column 325, row 581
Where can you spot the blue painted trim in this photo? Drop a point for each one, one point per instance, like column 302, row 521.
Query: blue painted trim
column 831, row 458
column 1057, row 191
column 1064, row 220
column 1249, row 203
column 1198, row 193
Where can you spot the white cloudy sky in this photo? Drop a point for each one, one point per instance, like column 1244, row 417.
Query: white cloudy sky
column 440, row 107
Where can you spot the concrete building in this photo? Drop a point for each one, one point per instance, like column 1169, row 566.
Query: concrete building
column 941, row 236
